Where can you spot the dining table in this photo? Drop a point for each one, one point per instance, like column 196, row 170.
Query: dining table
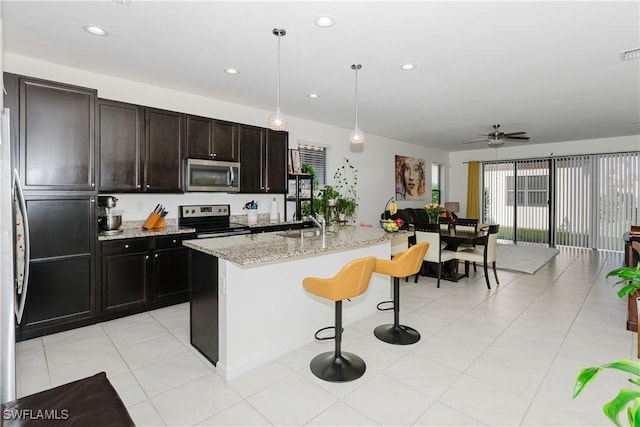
column 453, row 238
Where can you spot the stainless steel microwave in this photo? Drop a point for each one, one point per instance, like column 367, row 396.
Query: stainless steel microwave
column 212, row 175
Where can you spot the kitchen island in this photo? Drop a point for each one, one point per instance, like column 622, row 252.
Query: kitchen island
column 248, row 306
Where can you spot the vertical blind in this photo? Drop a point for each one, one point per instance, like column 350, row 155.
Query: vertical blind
column 586, row 201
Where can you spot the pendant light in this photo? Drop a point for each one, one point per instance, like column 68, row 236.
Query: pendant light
column 278, row 121
column 356, row 137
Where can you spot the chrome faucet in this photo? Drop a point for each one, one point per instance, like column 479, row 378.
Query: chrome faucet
column 323, row 228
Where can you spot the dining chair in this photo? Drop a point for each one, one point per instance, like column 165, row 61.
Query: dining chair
column 430, row 233
column 484, row 255
column 444, row 223
column 467, row 224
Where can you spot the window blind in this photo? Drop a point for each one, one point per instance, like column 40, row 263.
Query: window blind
column 316, row 157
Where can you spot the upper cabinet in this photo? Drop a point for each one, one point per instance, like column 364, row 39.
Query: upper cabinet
column 56, row 135
column 263, row 160
column 164, row 137
column 121, row 142
column 141, row 148
column 211, row 139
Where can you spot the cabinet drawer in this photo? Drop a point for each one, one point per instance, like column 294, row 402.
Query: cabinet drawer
column 125, row 246
column 173, row 241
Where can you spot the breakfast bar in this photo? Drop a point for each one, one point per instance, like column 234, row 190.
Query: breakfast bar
column 248, row 306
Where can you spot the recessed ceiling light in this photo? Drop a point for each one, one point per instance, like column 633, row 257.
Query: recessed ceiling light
column 324, row 21
column 407, row 67
column 95, row 30
column 232, row 71
column 313, row 95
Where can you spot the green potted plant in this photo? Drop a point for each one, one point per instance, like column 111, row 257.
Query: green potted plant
column 346, row 180
column 628, row 399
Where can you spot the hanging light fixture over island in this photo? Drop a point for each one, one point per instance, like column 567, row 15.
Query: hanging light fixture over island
column 278, row 121
column 356, row 137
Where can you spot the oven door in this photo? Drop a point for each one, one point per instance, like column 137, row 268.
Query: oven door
column 211, row 175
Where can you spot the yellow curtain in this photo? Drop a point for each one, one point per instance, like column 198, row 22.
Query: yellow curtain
column 473, row 196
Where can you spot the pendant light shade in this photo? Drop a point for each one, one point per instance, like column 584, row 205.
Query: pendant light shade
column 357, row 136
column 277, row 121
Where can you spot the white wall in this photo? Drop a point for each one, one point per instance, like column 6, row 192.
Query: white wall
column 375, row 163
column 458, row 166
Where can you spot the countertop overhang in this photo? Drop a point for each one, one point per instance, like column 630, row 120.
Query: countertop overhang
column 251, row 250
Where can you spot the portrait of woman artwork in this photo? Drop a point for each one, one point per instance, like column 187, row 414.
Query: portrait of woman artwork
column 410, row 178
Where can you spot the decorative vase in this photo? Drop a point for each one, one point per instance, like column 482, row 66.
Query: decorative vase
column 433, row 217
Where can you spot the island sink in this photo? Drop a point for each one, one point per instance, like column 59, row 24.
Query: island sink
column 304, row 232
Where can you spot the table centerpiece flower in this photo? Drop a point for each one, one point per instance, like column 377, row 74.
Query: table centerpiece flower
column 434, row 211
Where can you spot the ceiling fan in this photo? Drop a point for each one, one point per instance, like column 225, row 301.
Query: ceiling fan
column 497, row 139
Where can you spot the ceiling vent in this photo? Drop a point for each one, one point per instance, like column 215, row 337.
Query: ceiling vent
column 628, row 55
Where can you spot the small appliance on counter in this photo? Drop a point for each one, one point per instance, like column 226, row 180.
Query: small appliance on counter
column 155, row 220
column 252, row 216
column 109, row 220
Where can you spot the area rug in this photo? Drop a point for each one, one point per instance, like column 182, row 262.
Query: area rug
column 523, row 258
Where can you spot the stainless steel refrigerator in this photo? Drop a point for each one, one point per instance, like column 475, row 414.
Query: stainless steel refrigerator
column 14, row 265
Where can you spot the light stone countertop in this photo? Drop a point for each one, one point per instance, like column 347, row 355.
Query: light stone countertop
column 252, row 250
column 133, row 229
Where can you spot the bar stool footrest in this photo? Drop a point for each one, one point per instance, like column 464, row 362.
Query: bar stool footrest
column 338, row 368
column 401, row 334
column 385, row 308
column 326, row 329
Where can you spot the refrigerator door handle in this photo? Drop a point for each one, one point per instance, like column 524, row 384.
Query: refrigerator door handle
column 21, row 291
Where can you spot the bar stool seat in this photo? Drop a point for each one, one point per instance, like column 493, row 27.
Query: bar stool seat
column 402, row 265
column 352, row 280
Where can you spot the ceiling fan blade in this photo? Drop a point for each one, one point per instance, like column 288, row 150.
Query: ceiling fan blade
column 515, row 133
column 517, row 138
column 473, row 142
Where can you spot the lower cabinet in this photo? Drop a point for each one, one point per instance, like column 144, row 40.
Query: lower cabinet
column 144, row 273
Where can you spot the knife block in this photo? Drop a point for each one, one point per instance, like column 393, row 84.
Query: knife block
column 153, row 222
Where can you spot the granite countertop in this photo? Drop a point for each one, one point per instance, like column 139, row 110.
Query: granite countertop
column 250, row 250
column 133, row 229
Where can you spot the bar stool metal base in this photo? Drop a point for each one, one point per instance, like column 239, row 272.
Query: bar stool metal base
column 401, row 334
column 338, row 368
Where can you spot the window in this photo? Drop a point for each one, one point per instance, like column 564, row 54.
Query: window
column 437, row 172
column 531, row 190
column 316, row 157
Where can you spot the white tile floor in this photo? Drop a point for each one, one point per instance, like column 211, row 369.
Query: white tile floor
column 503, row 357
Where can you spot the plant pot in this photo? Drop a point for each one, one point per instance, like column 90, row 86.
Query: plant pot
column 342, row 217
column 632, row 319
column 331, row 202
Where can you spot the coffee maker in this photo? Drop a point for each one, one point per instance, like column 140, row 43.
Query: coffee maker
column 109, row 221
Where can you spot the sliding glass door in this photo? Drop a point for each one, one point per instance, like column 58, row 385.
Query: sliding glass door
column 586, row 201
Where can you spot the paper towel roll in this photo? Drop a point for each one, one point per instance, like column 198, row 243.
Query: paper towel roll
column 273, row 211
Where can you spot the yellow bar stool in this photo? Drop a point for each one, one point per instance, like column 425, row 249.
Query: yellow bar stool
column 352, row 280
column 402, row 265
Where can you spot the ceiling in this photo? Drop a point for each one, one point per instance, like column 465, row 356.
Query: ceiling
column 552, row 69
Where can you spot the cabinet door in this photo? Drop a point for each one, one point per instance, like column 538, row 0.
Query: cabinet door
column 61, row 289
column 225, row 141
column 251, row 155
column 57, row 144
column 199, row 137
column 124, row 281
column 120, row 133
column 164, row 147
column 171, row 274
column 276, row 161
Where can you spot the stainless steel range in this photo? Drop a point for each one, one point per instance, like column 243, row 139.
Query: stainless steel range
column 210, row 221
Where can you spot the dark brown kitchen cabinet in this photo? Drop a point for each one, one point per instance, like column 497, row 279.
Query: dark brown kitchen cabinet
column 121, row 147
column 263, row 160
column 125, row 269
column 144, row 273
column 211, row 139
column 171, row 267
column 56, row 135
column 61, row 285
column 164, row 146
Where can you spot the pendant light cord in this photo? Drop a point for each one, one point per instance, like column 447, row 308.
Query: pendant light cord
column 278, row 75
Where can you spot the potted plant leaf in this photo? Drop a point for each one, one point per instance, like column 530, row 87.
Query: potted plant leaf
column 346, row 208
column 626, row 398
column 630, row 288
